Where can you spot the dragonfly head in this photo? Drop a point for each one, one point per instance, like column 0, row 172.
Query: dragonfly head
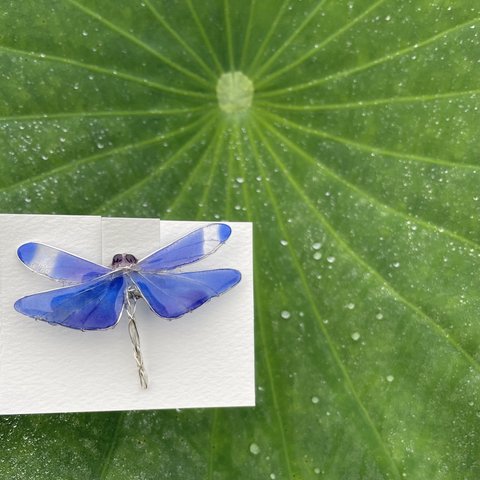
column 121, row 260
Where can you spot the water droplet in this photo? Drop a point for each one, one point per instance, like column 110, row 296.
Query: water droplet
column 317, row 256
column 254, row 448
column 284, row 243
column 273, row 476
column 379, row 316
column 330, row 259
column 240, row 180
column 350, row 306
column 355, row 336
column 390, row 378
column 316, row 470
column 85, row 33
column 285, row 314
column 317, row 246
column 396, row 264
column 315, row 399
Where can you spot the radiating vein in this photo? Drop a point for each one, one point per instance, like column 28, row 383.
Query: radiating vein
column 350, row 71
column 204, row 35
column 371, row 199
column 342, row 243
column 180, row 40
column 192, row 174
column 105, row 71
column 211, row 451
column 228, row 33
column 65, row 168
column 307, row 289
column 228, row 175
column 213, row 169
column 367, row 103
column 261, row 327
column 139, row 43
column 247, row 35
column 369, row 148
column 104, row 113
column 265, row 66
column 107, row 460
column 267, row 37
column 207, row 123
column 316, row 48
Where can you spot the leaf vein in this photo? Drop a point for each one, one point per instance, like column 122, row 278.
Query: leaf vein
column 137, row 185
column 370, row 198
column 97, row 156
column 368, row 103
column 363, row 263
column 105, row 71
column 370, row 148
column 139, row 43
column 386, row 58
column 333, row 351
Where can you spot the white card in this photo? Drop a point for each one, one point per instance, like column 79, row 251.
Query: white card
column 202, row 359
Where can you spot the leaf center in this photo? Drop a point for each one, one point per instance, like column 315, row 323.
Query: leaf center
column 234, row 92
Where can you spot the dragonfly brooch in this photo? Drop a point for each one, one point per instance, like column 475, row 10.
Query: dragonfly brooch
column 94, row 296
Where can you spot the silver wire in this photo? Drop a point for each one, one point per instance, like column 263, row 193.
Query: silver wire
column 131, row 303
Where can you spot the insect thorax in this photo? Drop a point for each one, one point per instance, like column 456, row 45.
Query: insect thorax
column 123, row 260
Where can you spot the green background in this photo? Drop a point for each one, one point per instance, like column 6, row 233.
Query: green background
column 357, row 163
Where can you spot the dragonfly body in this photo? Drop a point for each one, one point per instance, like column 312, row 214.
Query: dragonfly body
column 94, row 296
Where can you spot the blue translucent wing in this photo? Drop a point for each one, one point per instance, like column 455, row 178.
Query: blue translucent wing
column 93, row 305
column 59, row 265
column 171, row 295
column 192, row 247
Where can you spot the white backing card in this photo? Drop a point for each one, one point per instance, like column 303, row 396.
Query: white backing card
column 203, row 359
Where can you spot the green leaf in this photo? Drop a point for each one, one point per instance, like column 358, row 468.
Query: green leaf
column 358, row 162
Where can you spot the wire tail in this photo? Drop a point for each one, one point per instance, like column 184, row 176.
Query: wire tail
column 131, row 303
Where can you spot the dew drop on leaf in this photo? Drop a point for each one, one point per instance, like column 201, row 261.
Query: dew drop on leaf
column 254, row 448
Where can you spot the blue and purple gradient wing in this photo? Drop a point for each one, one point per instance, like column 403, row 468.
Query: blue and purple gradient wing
column 94, row 305
column 59, row 265
column 188, row 249
column 171, row 295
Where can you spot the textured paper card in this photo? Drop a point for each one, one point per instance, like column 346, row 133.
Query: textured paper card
column 203, row 359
